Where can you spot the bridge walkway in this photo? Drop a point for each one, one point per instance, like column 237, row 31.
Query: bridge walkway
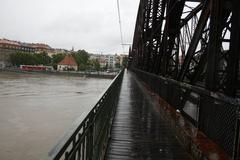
column 138, row 132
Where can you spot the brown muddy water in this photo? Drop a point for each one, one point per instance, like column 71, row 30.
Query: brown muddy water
column 36, row 110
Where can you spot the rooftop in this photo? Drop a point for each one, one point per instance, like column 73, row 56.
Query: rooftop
column 68, row 60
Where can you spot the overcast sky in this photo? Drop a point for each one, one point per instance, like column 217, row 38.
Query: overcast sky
column 85, row 24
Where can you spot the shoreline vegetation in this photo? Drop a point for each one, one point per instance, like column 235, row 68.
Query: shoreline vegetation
column 82, row 58
column 87, row 74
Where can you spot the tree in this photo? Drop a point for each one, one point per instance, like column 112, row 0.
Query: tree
column 56, row 58
column 43, row 58
column 125, row 61
column 106, row 66
column 82, row 59
column 96, row 64
column 117, row 65
column 19, row 58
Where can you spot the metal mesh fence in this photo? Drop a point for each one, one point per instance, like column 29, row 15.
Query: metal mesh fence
column 217, row 120
column 215, row 116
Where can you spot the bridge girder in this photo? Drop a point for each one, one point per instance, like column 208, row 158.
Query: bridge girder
column 192, row 41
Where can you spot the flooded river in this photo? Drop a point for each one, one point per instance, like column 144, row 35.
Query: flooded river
column 36, row 110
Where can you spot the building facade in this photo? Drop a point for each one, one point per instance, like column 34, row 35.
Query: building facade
column 67, row 64
column 111, row 60
column 7, row 47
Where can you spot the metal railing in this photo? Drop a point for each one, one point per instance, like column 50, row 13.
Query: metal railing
column 89, row 136
column 213, row 113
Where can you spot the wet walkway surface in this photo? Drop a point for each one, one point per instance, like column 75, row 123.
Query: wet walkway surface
column 138, row 132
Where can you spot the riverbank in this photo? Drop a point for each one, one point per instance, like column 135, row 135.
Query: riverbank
column 104, row 75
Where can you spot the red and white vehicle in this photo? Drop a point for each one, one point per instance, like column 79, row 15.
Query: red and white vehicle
column 35, row 68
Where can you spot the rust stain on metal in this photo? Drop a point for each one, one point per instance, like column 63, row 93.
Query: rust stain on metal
column 194, row 140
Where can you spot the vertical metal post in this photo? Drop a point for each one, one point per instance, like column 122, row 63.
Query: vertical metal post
column 83, row 144
column 234, row 55
column 214, row 44
column 236, row 149
column 79, row 149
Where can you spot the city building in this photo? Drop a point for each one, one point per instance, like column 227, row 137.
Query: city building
column 24, row 47
column 101, row 59
column 7, row 44
column 111, row 60
column 68, row 64
column 94, row 56
column 102, row 62
column 7, row 47
column 27, row 47
column 58, row 51
column 40, row 47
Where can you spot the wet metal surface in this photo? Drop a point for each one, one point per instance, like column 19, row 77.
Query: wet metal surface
column 36, row 110
column 138, row 131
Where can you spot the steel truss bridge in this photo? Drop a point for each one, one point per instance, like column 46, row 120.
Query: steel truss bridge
column 197, row 43
column 186, row 54
column 191, row 41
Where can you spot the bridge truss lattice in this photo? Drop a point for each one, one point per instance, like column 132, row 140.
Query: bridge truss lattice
column 191, row 41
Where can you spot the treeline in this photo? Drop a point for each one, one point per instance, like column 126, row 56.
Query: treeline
column 81, row 57
column 29, row 59
column 84, row 63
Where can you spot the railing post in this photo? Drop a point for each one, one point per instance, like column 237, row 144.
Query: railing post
column 79, row 149
column 90, row 138
column 74, row 145
column 83, row 145
column 236, row 149
column 66, row 155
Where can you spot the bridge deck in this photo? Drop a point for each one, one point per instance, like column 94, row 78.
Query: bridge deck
column 138, row 131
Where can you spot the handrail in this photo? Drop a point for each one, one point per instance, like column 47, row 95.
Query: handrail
column 218, row 96
column 87, row 139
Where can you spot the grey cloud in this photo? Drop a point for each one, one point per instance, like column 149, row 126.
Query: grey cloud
column 84, row 24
